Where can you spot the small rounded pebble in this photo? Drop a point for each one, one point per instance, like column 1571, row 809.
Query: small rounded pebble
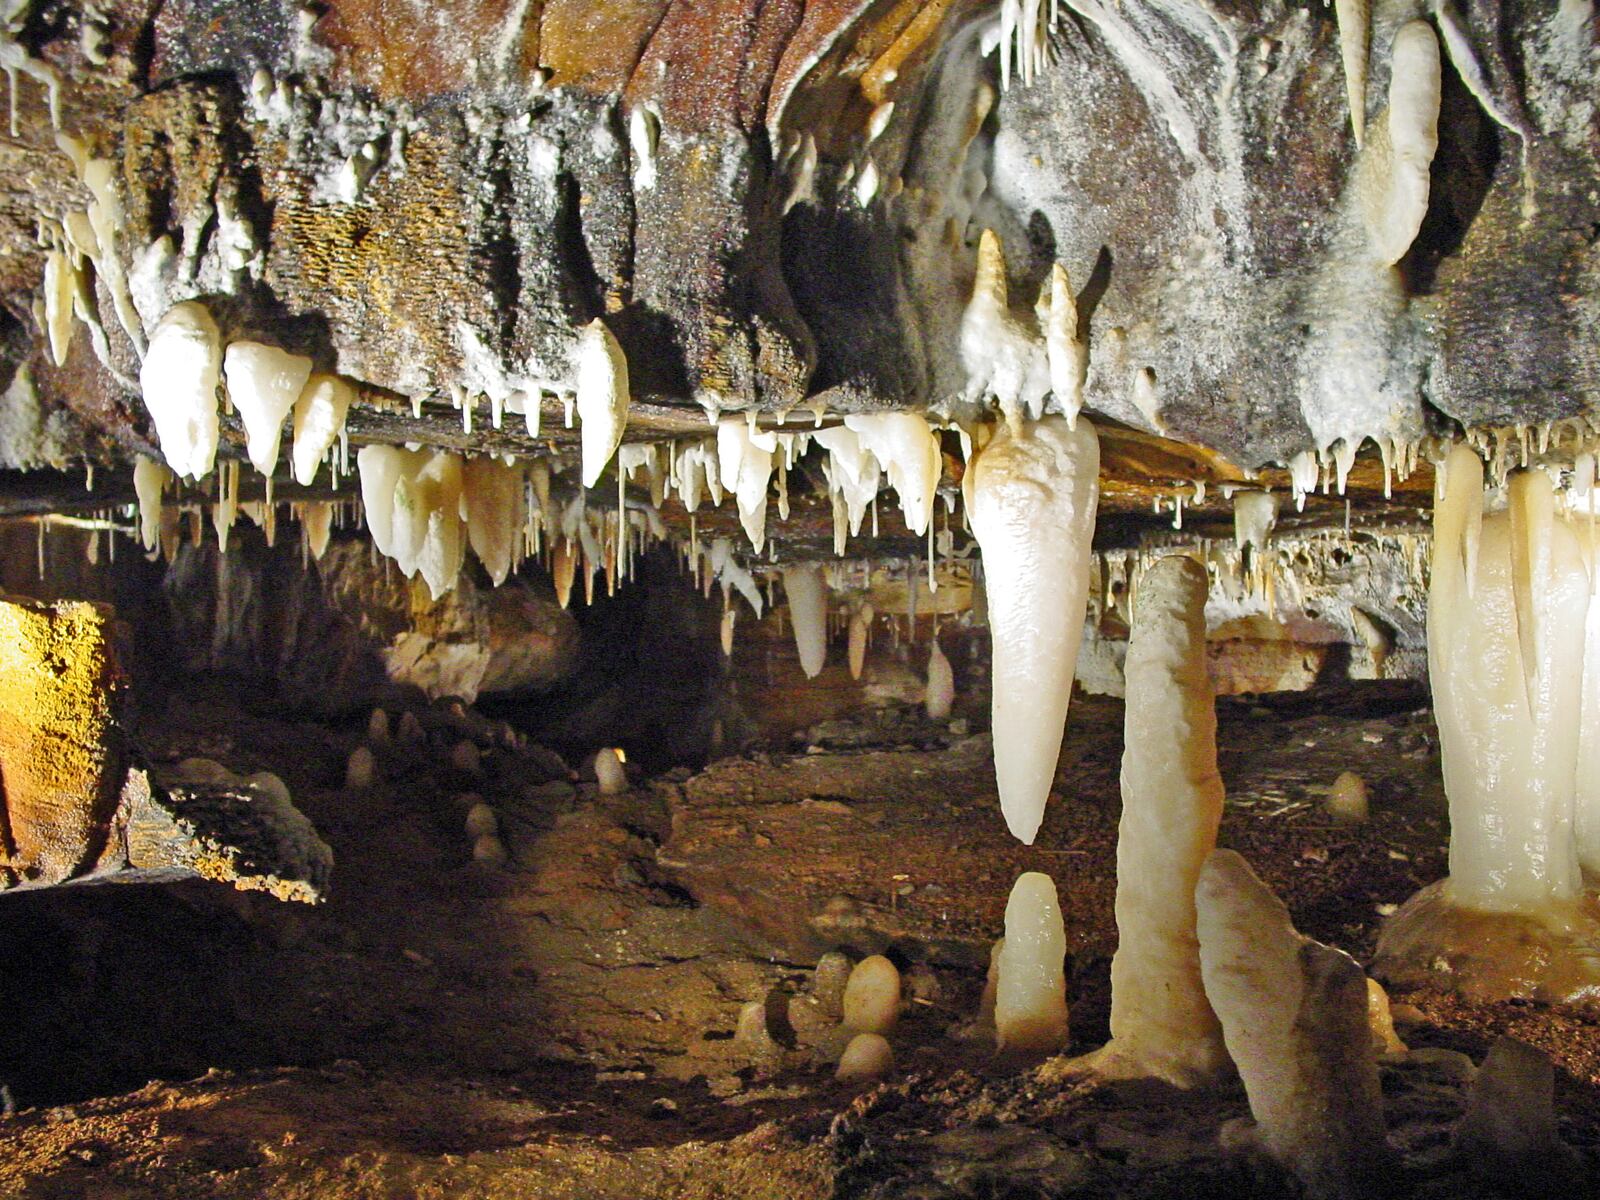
column 868, row 1057
column 828, row 982
column 872, row 996
column 359, row 769
column 481, row 820
column 490, row 850
column 1347, row 800
column 609, row 773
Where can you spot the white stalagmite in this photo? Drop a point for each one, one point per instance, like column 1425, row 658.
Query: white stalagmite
column 872, row 996
column 1294, row 1015
column 319, row 415
column 868, row 1056
column 1030, row 498
column 495, row 502
column 908, row 451
column 149, row 480
column 1161, row 1023
column 1030, row 1001
column 860, row 625
column 1507, row 606
column 808, row 615
column 179, row 379
column 263, row 383
column 602, row 397
column 1393, row 170
column 941, row 690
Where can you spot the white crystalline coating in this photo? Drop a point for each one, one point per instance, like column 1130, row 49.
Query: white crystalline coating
column 867, row 1057
column 1067, row 356
column 1001, row 356
column 1354, row 31
column 744, row 467
column 909, row 453
column 1030, row 1000
column 1161, row 1022
column 1507, row 606
column 644, row 132
column 319, row 414
column 1147, row 399
column 263, row 383
column 1254, row 516
column 316, row 521
column 149, row 480
column 1031, row 500
column 179, row 379
column 872, row 996
column 602, row 397
column 808, row 615
column 941, row 691
column 58, row 288
column 495, row 499
column 609, row 773
column 1294, row 1016
column 1393, row 181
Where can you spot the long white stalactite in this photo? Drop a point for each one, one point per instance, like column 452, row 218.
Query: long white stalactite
column 1031, row 498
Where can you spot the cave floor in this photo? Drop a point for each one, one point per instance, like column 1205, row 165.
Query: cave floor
column 565, row 1025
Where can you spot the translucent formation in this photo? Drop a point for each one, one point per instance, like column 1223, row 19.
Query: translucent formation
column 1508, row 1134
column 149, row 480
column 744, row 467
column 1031, row 498
column 909, row 454
column 1294, row 1016
column 1161, row 1022
column 412, row 501
column 871, row 1001
column 1393, row 182
column 494, row 493
column 1030, row 1002
column 179, row 380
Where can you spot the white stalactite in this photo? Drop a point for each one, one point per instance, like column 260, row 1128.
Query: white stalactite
column 263, row 383
column 808, row 615
column 179, row 380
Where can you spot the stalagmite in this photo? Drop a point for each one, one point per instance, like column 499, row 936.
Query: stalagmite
column 871, row 1001
column 1294, row 1017
column 909, row 453
column 1347, row 799
column 179, row 380
column 1380, row 1022
column 1030, row 1001
column 1508, row 611
column 1393, row 177
column 828, row 982
column 808, row 615
column 1031, row 498
column 319, row 415
column 941, row 691
column 1509, row 1134
column 602, row 397
column 149, row 480
column 860, row 625
column 263, row 383
column 609, row 773
column 1161, row 1022
column 867, row 1057
column 359, row 770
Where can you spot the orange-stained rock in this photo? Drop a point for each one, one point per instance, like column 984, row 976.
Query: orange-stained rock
column 62, row 759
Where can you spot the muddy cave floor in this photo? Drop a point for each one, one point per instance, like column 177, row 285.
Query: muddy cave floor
column 564, row 1025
